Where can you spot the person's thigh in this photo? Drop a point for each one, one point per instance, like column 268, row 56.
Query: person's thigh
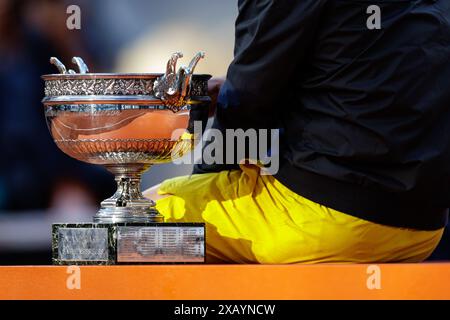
column 249, row 218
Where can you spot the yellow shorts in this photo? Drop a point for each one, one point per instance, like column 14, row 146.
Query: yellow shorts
column 252, row 218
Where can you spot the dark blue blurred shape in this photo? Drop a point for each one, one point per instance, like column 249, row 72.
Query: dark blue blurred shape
column 31, row 166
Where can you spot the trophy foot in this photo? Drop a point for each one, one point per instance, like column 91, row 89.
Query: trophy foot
column 128, row 205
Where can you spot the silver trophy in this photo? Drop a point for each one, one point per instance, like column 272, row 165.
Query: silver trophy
column 127, row 123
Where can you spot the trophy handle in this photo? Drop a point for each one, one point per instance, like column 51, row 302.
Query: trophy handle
column 188, row 73
column 61, row 67
column 173, row 88
column 171, row 75
column 82, row 67
column 167, row 86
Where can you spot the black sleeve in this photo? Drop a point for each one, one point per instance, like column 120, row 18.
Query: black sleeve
column 272, row 38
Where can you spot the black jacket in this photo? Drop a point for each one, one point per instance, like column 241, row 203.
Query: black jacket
column 365, row 112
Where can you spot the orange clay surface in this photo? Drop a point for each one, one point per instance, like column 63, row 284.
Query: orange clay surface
column 192, row 282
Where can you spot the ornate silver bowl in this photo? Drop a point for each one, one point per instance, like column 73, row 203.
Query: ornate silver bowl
column 125, row 122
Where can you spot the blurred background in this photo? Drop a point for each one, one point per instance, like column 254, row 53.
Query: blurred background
column 39, row 185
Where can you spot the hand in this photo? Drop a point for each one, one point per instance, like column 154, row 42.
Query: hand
column 214, row 86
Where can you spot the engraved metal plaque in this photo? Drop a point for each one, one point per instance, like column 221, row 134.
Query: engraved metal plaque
column 83, row 244
column 128, row 243
column 158, row 244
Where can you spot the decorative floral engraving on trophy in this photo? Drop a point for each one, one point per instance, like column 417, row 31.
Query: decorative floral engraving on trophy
column 99, row 87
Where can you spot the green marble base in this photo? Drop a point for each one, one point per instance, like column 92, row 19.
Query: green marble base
column 128, row 243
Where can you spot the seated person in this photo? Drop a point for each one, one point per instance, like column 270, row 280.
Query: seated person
column 364, row 112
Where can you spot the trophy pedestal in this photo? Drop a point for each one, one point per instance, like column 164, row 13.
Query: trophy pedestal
column 128, row 243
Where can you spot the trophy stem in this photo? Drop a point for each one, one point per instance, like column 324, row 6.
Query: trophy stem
column 128, row 205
